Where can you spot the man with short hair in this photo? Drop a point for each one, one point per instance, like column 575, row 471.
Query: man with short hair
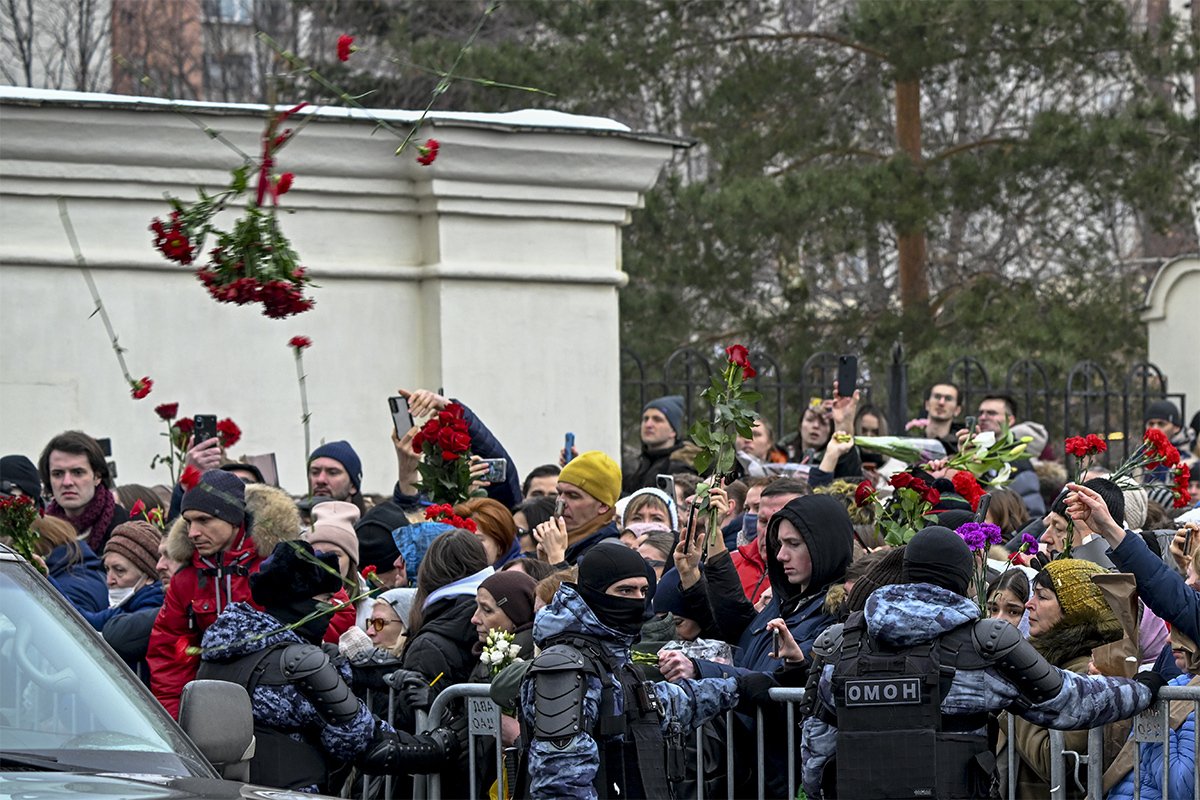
column 335, row 471
column 73, row 465
column 588, row 488
column 996, row 412
column 663, row 449
column 943, row 404
column 541, row 482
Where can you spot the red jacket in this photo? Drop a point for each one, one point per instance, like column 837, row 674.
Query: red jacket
column 204, row 587
column 751, row 570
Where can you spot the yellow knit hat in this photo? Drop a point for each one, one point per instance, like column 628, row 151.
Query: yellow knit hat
column 596, row 474
column 1080, row 598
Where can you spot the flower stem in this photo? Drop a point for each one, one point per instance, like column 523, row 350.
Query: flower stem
column 303, row 399
column 65, row 216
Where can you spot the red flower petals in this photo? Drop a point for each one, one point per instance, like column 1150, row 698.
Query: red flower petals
column 141, row 387
column 190, row 477
column 172, row 241
column 345, row 46
column 300, row 342
column 1085, row 446
column 428, row 152
column 967, row 486
column 740, row 356
column 228, row 432
column 167, row 411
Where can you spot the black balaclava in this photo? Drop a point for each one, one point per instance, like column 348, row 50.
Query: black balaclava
column 939, row 556
column 312, row 631
column 605, row 564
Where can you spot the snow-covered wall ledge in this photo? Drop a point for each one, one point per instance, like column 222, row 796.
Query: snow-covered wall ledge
column 493, row 273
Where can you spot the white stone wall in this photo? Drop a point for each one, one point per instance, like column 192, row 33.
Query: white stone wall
column 493, row 273
column 1172, row 320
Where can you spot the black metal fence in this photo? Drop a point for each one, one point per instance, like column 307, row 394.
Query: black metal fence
column 1087, row 399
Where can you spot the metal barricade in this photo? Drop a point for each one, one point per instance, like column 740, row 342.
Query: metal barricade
column 483, row 720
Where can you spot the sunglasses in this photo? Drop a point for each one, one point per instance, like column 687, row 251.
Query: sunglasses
column 379, row 624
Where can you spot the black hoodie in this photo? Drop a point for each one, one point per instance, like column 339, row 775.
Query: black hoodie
column 825, row 526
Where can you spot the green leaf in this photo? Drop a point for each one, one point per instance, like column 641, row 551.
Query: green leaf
column 702, row 460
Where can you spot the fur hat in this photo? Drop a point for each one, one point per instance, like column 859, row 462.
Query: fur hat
column 136, row 540
column 1080, row 598
column 291, row 573
column 219, row 494
column 595, row 473
column 671, row 407
column 271, row 517
column 333, row 523
column 1164, row 409
column 341, row 452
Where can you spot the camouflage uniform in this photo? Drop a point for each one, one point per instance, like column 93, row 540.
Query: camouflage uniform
column 568, row 768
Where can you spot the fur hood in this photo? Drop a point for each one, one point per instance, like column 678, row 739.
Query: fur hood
column 1064, row 643
column 271, row 518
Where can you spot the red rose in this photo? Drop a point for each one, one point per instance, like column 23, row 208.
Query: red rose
column 300, row 342
column 863, row 494
column 418, row 443
column 138, row 509
column 185, row 425
column 738, row 355
column 902, row 479
column 460, row 442
column 167, row 411
column 448, row 456
column 285, row 183
column 428, row 152
column 932, row 496
column 229, row 432
column 189, row 478
column 140, row 388
column 345, row 46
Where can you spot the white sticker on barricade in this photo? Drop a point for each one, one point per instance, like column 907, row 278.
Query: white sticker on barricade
column 482, row 714
column 1151, row 724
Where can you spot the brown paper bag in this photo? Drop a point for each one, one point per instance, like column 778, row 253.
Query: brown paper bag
column 1119, row 659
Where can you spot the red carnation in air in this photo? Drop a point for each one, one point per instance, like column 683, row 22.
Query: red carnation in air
column 428, row 152
column 185, row 425
column 300, row 342
column 167, row 411
column 345, row 46
column 284, row 183
column 140, row 388
column 1085, row 446
column 229, row 432
column 190, row 477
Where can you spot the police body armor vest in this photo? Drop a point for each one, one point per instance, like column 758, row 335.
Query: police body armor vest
column 279, row 760
column 893, row 740
column 636, row 760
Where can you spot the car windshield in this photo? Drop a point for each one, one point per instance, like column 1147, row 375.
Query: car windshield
column 67, row 703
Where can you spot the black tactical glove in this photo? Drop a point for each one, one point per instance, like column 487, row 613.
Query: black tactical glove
column 399, row 753
column 1153, row 681
column 753, row 689
column 414, row 691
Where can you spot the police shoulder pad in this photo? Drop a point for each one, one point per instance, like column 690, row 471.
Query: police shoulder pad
column 561, row 658
column 993, row 638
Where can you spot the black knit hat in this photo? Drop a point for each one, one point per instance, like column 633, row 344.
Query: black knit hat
column 939, row 556
column 292, row 573
column 219, row 494
column 21, row 473
column 1164, row 409
column 376, row 546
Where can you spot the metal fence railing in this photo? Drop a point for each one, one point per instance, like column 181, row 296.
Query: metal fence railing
column 1068, row 768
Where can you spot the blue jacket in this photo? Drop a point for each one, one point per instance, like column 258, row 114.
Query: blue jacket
column 569, row 770
column 284, row 708
column 1025, row 483
column 1182, row 763
column 149, row 596
column 81, row 582
column 908, row 614
column 1161, row 589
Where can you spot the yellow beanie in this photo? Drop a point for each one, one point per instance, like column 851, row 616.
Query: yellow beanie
column 1080, row 598
column 596, row 474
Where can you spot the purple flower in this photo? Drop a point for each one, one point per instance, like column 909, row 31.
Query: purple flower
column 1029, row 544
column 978, row 535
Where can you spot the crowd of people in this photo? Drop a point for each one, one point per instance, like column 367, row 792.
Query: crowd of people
column 611, row 623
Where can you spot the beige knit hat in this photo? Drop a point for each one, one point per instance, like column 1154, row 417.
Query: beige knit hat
column 333, row 523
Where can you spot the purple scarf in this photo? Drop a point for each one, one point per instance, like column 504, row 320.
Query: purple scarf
column 95, row 518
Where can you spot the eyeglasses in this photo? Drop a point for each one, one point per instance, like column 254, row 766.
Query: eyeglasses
column 379, row 624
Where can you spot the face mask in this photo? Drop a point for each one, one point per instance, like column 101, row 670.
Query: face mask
column 118, row 596
column 623, row 614
column 750, row 527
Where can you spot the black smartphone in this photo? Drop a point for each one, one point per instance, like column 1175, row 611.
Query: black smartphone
column 666, row 484
column 568, row 446
column 847, row 375
column 687, row 531
column 400, row 414
column 775, row 637
column 205, row 428
column 981, row 512
column 497, row 470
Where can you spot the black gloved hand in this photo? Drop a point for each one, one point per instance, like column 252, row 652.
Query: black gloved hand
column 753, row 689
column 1151, row 680
column 411, row 687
